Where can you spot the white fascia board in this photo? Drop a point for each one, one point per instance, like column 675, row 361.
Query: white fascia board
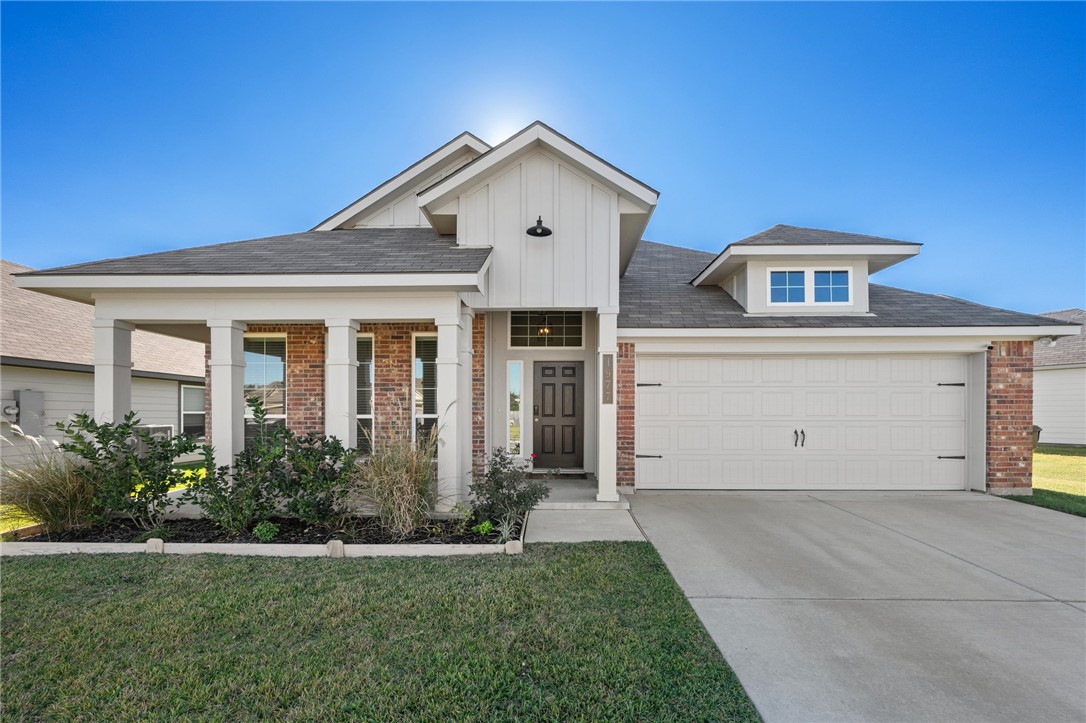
column 734, row 255
column 1002, row 333
column 84, row 287
column 444, row 190
column 405, row 178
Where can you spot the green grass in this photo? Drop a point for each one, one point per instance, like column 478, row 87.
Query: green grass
column 563, row 632
column 1059, row 480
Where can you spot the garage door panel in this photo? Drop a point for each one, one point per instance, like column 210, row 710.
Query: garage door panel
column 867, row 422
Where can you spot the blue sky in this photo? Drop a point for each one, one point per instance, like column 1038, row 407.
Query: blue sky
column 130, row 128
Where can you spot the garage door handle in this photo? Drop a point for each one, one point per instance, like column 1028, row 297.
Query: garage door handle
column 950, row 384
column 803, row 438
column 647, row 384
column 951, row 456
column 795, row 442
column 649, row 456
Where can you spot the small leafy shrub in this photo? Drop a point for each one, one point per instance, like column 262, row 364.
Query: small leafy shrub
column 131, row 470
column 483, row 528
column 236, row 500
column 316, row 482
column 504, row 493
column 397, row 478
column 49, row 488
column 266, row 531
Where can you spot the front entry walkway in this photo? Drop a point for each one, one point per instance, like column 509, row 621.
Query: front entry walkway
column 885, row 607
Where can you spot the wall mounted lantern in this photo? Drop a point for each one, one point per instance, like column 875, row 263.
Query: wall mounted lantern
column 539, row 230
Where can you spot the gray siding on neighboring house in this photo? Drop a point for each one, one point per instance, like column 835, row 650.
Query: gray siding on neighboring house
column 66, row 393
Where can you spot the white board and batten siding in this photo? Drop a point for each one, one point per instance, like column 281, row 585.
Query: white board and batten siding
column 156, row 401
column 794, row 423
column 576, row 267
column 1059, row 404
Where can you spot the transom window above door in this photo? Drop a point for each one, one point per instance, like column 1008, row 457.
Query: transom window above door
column 546, row 329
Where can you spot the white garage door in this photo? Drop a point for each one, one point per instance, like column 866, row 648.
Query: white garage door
column 826, row 422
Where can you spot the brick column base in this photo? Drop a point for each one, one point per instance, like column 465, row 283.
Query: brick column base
column 626, row 390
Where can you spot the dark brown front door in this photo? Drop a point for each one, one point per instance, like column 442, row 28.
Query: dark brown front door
column 558, row 415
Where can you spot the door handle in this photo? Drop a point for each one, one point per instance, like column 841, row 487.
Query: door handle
column 803, row 438
column 795, row 442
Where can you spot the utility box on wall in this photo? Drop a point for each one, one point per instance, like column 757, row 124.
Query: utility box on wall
column 31, row 417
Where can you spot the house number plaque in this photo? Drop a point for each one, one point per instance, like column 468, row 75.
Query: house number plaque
column 608, row 378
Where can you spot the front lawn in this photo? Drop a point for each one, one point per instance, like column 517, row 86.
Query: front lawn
column 1059, row 480
column 563, row 632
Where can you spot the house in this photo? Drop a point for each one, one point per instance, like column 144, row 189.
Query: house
column 505, row 295
column 47, row 354
column 1059, row 383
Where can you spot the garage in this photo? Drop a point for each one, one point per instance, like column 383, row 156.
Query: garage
column 873, row 422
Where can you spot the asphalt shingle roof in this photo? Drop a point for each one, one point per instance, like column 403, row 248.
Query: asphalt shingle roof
column 45, row 328
column 784, row 235
column 1067, row 349
column 656, row 293
column 348, row 251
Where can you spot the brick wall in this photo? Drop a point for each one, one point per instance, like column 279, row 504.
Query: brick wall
column 393, row 370
column 625, row 380
column 478, row 394
column 1010, row 418
column 305, row 373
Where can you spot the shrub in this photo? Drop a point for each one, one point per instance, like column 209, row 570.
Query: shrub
column 315, row 483
column 235, row 501
column 131, row 470
column 397, row 478
column 49, row 488
column 503, row 493
column 266, row 531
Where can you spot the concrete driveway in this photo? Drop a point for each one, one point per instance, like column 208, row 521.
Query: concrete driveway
column 885, row 606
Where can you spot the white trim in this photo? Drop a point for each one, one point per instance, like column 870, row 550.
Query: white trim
column 1003, row 333
column 415, row 335
column 373, row 383
column 808, row 286
column 509, row 330
column 735, row 254
column 437, row 195
column 508, row 412
column 407, row 177
column 1058, row 367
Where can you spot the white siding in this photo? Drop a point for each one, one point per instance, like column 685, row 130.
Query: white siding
column 1059, row 405
column 403, row 210
column 67, row 393
column 575, row 267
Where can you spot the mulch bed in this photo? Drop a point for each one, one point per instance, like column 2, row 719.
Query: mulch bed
column 359, row 531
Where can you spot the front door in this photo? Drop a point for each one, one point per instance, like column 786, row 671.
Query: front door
column 558, row 415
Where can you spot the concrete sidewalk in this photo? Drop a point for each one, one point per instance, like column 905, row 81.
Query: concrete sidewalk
column 581, row 526
column 882, row 606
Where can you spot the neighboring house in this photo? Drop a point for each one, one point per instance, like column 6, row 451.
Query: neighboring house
column 1059, row 384
column 505, row 295
column 47, row 348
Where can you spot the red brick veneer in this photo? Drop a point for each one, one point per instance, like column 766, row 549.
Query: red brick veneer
column 393, row 370
column 625, row 380
column 478, row 394
column 1010, row 418
column 305, row 373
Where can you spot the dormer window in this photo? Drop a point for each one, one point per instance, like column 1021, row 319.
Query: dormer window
column 809, row 287
column 787, row 287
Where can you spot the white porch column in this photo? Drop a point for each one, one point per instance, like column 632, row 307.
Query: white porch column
column 341, row 381
column 607, row 409
column 112, row 369
column 448, row 420
column 227, row 389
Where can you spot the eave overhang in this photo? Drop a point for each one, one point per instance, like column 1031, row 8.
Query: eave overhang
column 734, row 256
column 86, row 287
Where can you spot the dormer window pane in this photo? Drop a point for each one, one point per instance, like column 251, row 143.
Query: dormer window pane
column 786, row 287
column 831, row 286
